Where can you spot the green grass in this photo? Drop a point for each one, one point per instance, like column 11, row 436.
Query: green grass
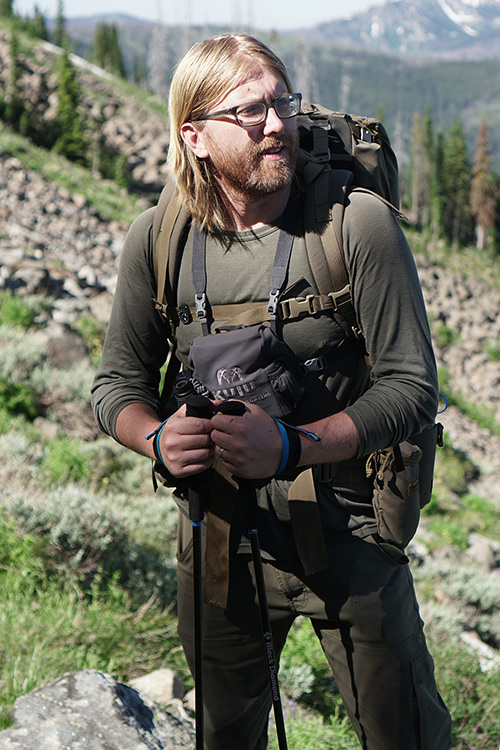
column 467, row 261
column 50, row 625
column 472, row 696
column 452, row 523
column 480, row 413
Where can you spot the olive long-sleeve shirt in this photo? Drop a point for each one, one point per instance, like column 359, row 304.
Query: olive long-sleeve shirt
column 395, row 400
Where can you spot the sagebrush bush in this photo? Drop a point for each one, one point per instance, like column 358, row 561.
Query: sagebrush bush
column 89, row 537
column 467, row 596
column 64, row 461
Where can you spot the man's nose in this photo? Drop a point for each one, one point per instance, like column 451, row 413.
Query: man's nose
column 272, row 123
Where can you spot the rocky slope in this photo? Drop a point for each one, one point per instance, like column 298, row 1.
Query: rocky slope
column 128, row 125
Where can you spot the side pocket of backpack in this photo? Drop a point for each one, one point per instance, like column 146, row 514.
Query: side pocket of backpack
column 396, row 492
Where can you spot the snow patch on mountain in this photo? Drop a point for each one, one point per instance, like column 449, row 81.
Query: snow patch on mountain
column 459, row 18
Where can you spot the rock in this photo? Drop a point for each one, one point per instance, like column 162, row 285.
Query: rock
column 488, row 657
column 482, row 554
column 92, row 711
column 190, row 701
column 162, row 686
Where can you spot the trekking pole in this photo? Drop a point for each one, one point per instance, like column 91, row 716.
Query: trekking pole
column 248, row 496
column 196, row 406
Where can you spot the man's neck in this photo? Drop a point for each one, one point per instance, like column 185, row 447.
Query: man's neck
column 250, row 213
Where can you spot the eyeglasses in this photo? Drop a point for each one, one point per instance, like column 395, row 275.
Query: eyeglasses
column 255, row 113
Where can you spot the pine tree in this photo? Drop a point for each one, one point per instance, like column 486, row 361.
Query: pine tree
column 106, row 50
column 438, row 186
column 14, row 106
column 457, row 217
column 71, row 141
column 38, row 25
column 60, row 36
column 421, row 171
column 484, row 189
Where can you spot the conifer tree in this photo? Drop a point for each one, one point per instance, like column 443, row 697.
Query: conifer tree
column 71, row 141
column 438, row 186
column 14, row 106
column 106, row 50
column 484, row 189
column 38, row 25
column 421, row 171
column 457, row 217
column 60, row 36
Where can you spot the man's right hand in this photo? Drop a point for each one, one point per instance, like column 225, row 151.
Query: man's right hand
column 185, row 444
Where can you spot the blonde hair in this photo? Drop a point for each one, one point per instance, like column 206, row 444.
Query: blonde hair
column 202, row 78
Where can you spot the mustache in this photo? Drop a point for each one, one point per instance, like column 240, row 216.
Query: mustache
column 275, row 142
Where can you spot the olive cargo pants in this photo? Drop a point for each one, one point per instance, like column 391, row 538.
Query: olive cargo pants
column 364, row 612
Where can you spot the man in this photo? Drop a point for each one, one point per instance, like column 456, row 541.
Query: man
column 234, row 155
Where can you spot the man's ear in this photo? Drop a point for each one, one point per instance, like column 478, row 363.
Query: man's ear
column 193, row 138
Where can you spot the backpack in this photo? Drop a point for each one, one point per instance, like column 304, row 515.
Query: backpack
column 344, row 153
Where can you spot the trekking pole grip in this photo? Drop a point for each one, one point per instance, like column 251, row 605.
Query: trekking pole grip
column 196, row 406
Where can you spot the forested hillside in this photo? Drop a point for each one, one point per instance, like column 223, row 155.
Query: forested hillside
column 344, row 79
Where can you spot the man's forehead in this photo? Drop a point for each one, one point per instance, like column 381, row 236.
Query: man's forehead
column 246, row 83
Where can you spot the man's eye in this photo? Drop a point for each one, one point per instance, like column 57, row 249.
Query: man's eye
column 250, row 110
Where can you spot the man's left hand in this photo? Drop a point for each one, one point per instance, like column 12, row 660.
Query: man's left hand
column 250, row 446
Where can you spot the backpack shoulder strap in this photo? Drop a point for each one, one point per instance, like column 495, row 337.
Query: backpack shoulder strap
column 169, row 221
column 324, row 216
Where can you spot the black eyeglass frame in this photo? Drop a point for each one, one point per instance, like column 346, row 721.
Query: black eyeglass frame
column 296, row 98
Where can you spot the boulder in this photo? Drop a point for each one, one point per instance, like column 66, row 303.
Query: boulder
column 91, row 710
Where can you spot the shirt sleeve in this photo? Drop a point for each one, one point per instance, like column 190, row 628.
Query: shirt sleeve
column 391, row 312
column 136, row 344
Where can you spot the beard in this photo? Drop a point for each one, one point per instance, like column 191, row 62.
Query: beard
column 249, row 173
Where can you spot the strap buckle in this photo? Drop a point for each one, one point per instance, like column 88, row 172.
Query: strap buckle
column 294, row 308
column 340, row 298
column 272, row 305
column 316, row 364
column 200, row 301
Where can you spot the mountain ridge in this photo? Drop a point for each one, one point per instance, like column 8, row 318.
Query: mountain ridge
column 438, row 29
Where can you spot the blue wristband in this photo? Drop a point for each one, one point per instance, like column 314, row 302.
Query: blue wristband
column 156, row 441
column 286, row 446
column 292, row 447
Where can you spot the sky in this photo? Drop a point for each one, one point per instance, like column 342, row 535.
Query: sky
column 257, row 14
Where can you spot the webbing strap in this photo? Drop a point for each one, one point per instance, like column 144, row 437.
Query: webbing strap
column 278, row 278
column 199, row 270
column 279, row 272
column 252, row 313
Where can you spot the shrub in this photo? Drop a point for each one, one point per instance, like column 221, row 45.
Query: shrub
column 472, row 696
column 15, row 312
column 49, row 626
column 17, row 398
column 93, row 541
column 65, row 461
column 92, row 332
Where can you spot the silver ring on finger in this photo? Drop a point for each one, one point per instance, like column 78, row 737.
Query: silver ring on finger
column 221, row 453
